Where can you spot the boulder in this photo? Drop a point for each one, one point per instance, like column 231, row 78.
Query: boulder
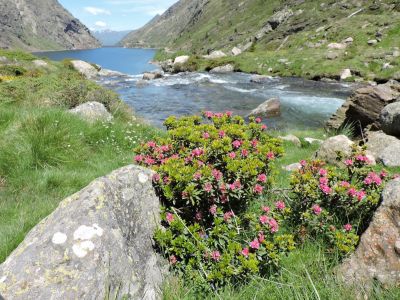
column 236, row 51
column 331, row 147
column 377, row 257
column 364, row 106
column 292, row 139
column 390, row 119
column 85, row 68
column 181, row 59
column 280, row 17
column 223, row 69
column 92, row 112
column 97, row 243
column 152, row 75
column 346, row 73
column 385, row 148
column 292, row 168
column 269, row 108
column 40, row 63
column 167, row 66
column 337, row 46
column 332, row 55
column 215, row 55
column 260, row 78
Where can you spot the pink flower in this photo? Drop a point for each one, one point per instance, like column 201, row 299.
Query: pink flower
column 151, row 144
column 232, row 155
column 362, row 158
column 348, row 162
column 185, row 195
column 325, row 189
column 219, row 115
column 352, row 192
column 215, row 255
column 208, row 187
column 316, row 209
column 228, row 215
column 206, row 135
column 165, row 148
column 258, row 189
column 166, row 180
column 197, row 152
column 237, row 184
column 348, row 227
column 254, row 143
column 263, row 219
column 273, row 225
column 156, row 177
column 196, row 176
column 245, row 252
column 245, row 153
column 172, row 260
column 198, row 216
column 258, row 120
column 149, row 161
column 280, row 205
column 361, row 195
column 169, row 217
column 213, row 210
column 139, row 158
column 232, row 187
column 262, row 178
column 324, row 181
column 236, row 144
column 216, row 174
column 261, row 237
column 303, row 163
column 383, row 174
column 266, row 209
column 221, row 134
column 271, row 155
column 208, row 114
column 323, row 172
column 229, row 114
column 373, row 178
column 345, row 184
column 255, row 244
column 263, row 127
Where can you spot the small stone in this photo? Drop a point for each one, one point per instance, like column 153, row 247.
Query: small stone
column 223, row 69
column 59, row 238
column 236, row 51
column 40, row 63
column 346, row 73
column 337, row 46
column 349, row 40
column 332, row 55
column 92, row 112
column 313, row 141
column 292, row 167
column 396, row 53
column 372, row 42
column 292, row 139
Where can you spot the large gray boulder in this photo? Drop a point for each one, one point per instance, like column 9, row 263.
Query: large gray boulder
column 269, row 108
column 385, row 148
column 98, row 242
column 377, row 257
column 390, row 119
column 331, row 147
column 181, row 59
column 92, row 112
column 85, row 68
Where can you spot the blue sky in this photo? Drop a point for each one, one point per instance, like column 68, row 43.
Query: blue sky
column 116, row 14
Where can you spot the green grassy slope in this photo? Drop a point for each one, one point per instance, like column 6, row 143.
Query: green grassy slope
column 302, row 39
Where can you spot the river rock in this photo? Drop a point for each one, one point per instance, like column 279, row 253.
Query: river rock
column 329, row 149
column 92, row 112
column 152, row 75
column 376, row 257
column 97, row 243
column 385, row 148
column 236, row 51
column 260, row 78
column 346, row 73
column 215, row 55
column 40, row 63
column 167, row 65
column 85, row 68
column 223, row 69
column 181, row 59
column 390, row 119
column 337, row 46
column 269, row 108
column 292, row 139
column 364, row 106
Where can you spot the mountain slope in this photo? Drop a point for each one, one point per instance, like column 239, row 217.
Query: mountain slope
column 311, row 39
column 41, row 25
column 110, row 37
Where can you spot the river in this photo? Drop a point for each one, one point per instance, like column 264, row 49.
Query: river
column 305, row 104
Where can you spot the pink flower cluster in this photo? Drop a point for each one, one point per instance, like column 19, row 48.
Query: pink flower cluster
column 373, row 178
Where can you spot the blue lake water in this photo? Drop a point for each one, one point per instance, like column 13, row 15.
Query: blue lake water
column 305, row 104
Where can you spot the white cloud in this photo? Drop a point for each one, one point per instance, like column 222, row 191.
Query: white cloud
column 101, row 24
column 97, row 11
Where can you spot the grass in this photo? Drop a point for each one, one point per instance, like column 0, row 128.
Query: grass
column 47, row 154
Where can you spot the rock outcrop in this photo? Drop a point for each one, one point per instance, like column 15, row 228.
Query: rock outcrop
column 364, row 106
column 92, row 112
column 86, row 69
column 390, row 119
column 98, row 242
column 269, row 108
column 331, row 147
column 41, row 25
column 377, row 257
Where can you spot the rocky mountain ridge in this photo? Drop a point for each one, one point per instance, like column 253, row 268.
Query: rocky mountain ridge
column 41, row 25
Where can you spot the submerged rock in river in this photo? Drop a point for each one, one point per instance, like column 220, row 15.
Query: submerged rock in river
column 269, row 108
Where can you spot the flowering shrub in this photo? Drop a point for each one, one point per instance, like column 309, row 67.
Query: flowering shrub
column 207, row 172
column 334, row 203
